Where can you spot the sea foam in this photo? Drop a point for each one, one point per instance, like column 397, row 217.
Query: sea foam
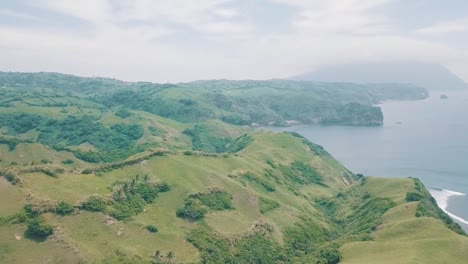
column 442, row 198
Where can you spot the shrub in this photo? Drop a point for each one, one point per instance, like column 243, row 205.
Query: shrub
column 249, row 176
column 164, row 187
column 67, row 162
column 64, row 208
column 152, row 228
column 413, row 196
column 95, row 204
column 193, row 210
column 38, row 227
column 126, row 208
column 267, row 205
column 123, row 113
column 46, row 161
column 12, row 177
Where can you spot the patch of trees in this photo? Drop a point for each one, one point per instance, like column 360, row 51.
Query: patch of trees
column 115, row 142
column 78, row 130
column 64, row 208
column 19, row 123
column 254, row 246
column 38, row 227
column 128, row 198
column 95, row 203
column 198, row 204
column 31, row 215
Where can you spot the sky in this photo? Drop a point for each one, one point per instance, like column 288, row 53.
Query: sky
column 185, row 40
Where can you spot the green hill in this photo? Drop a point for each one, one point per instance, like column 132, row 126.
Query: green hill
column 235, row 102
column 89, row 177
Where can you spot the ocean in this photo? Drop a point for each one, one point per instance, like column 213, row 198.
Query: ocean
column 425, row 139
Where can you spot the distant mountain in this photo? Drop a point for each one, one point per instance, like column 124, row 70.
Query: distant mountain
column 431, row 76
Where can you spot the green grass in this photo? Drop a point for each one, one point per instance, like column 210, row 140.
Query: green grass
column 403, row 238
column 185, row 175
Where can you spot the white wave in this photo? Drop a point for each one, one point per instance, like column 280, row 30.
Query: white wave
column 442, row 197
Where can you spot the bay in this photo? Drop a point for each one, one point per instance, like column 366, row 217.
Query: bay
column 425, row 139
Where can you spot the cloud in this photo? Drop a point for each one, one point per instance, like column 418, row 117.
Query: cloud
column 210, row 16
column 89, row 10
column 19, row 15
column 446, row 27
column 339, row 16
column 182, row 40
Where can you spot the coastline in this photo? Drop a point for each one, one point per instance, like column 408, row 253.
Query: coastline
column 442, row 198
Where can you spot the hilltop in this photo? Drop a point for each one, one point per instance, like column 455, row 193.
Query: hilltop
column 103, row 171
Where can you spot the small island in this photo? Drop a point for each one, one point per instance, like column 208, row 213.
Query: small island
column 443, row 97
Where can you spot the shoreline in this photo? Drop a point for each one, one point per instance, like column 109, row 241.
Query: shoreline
column 442, row 198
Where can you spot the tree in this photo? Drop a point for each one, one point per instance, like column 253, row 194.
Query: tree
column 64, row 208
column 38, row 227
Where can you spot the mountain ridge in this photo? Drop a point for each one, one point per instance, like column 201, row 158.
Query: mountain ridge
column 432, row 76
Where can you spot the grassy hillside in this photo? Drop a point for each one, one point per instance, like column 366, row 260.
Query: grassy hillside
column 402, row 238
column 278, row 195
column 90, row 174
column 235, row 102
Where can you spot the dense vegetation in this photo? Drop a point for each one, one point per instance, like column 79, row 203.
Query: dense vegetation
column 112, row 143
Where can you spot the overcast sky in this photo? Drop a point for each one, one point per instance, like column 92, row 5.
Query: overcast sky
column 183, row 40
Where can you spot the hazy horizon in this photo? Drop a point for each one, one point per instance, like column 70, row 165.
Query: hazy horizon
column 180, row 41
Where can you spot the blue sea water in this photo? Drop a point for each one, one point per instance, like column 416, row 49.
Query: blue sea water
column 426, row 139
